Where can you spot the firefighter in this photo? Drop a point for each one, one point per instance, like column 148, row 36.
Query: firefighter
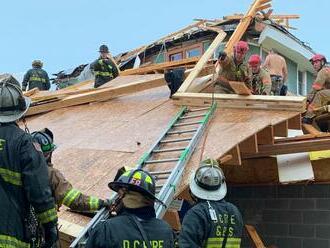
column 136, row 225
column 278, row 71
column 104, row 67
column 319, row 96
column 26, row 198
column 232, row 68
column 62, row 189
column 36, row 77
column 212, row 222
column 259, row 79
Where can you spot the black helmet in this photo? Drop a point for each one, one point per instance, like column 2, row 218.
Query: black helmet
column 13, row 104
column 104, row 49
column 37, row 63
column 136, row 180
column 45, row 139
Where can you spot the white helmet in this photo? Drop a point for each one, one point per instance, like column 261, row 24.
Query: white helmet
column 208, row 182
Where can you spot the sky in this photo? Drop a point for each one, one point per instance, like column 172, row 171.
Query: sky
column 65, row 34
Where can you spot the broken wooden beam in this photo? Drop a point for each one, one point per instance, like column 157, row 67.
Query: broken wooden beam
column 294, row 146
column 202, row 61
column 292, row 103
column 104, row 94
column 254, row 237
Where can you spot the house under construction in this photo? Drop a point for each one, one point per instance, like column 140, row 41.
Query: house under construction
column 277, row 175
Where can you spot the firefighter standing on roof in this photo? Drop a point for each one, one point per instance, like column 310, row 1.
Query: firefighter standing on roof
column 212, row 222
column 62, row 189
column 24, row 181
column 36, row 77
column 319, row 95
column 104, row 67
column 137, row 225
column 232, row 68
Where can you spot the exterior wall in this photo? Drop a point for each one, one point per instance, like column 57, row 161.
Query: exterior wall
column 293, row 216
column 292, row 75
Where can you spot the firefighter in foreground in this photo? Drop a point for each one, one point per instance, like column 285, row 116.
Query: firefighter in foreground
column 62, row 189
column 136, row 225
column 319, row 97
column 232, row 68
column 25, row 195
column 259, row 78
column 36, row 77
column 104, row 67
column 212, row 222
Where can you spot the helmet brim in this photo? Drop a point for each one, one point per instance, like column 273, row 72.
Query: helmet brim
column 210, row 195
column 115, row 186
column 17, row 114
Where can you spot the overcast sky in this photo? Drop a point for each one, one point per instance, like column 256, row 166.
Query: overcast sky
column 65, row 34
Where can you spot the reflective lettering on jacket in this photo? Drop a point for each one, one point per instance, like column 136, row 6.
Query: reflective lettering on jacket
column 11, row 177
column 2, row 144
column 142, row 244
column 47, row 216
column 7, row 241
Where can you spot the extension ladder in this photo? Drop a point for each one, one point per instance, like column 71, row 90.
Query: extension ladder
column 165, row 160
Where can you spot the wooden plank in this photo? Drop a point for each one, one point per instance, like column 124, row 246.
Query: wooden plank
column 67, row 232
column 294, row 103
column 236, row 157
column 295, row 122
column 266, row 136
column 254, row 237
column 315, row 144
column 250, row 145
column 160, row 66
column 240, row 88
column 31, row 92
column 172, row 218
column 281, row 129
column 263, row 7
column 243, row 25
column 100, row 95
column 202, row 61
column 310, row 129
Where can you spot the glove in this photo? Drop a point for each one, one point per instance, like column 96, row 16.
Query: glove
column 51, row 237
column 222, row 55
column 105, row 203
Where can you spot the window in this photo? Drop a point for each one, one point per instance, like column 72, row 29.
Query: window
column 176, row 56
column 301, row 83
column 194, row 52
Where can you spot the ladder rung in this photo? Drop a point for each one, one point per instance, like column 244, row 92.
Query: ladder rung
column 159, row 186
column 169, row 150
column 160, row 172
column 199, row 109
column 187, row 124
column 161, row 177
column 161, row 161
column 175, row 140
column 183, row 131
column 192, row 116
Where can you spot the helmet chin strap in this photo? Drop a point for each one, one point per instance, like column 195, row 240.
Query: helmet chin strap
column 26, row 129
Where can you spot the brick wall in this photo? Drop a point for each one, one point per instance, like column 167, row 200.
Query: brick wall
column 293, row 216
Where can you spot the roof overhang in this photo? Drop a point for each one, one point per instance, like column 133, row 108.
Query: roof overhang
column 271, row 37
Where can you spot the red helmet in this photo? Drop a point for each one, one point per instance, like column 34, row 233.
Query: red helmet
column 241, row 46
column 318, row 57
column 254, row 60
